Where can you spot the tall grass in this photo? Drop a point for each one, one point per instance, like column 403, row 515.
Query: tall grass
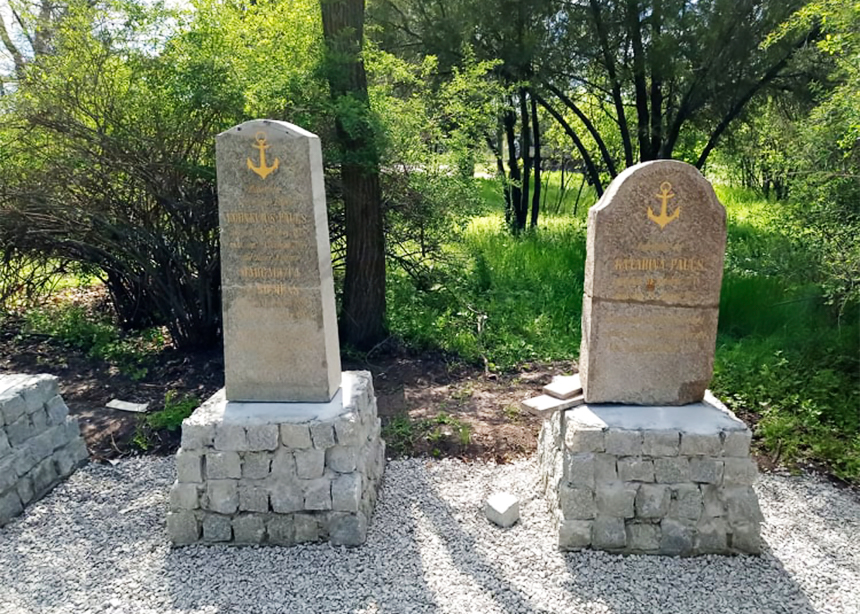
column 782, row 356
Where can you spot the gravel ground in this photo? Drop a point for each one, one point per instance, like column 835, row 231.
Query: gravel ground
column 98, row 544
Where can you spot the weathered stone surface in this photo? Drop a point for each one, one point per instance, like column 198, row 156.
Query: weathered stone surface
column 231, row 438
column 635, row 469
column 737, row 443
column 284, row 463
column 502, row 509
column 307, row 528
column 652, row 501
column 346, row 492
column 711, row 536
column 248, row 529
column 280, row 329
column 253, row 497
column 25, row 490
column 577, row 502
column 746, row 538
column 257, row 465
column 343, row 459
column 222, row 495
column 183, row 528
column 286, row 497
column 739, row 471
column 13, row 406
column 323, row 435
column 686, row 502
column 654, row 265
column 624, row 443
column 701, row 444
column 579, row 470
column 57, row 410
column 609, row 533
column 616, row 499
column 217, row 528
column 706, row 470
column 223, row 465
column 197, row 436
column 317, row 494
column 564, row 386
column 742, row 505
column 348, row 529
column 673, row 470
column 262, row 437
column 676, row 537
column 184, row 496
column 583, row 431
column 281, row 530
column 661, row 443
column 310, row 464
column 296, row 436
column 189, row 465
column 605, row 468
column 544, row 404
column 643, row 537
column 574, row 534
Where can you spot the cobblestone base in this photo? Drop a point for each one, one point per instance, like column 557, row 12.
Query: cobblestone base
column 651, row 480
column 279, row 473
column 40, row 444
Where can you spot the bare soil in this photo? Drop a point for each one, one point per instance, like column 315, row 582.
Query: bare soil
column 422, row 387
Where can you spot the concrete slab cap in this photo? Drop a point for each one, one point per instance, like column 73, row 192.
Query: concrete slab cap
column 545, row 404
column 564, row 386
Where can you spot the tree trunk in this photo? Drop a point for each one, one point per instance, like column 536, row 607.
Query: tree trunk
column 537, row 162
column 525, row 150
column 634, row 29
column 514, row 176
column 363, row 317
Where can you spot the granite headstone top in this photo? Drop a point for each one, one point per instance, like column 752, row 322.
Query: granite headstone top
column 280, row 328
column 654, row 266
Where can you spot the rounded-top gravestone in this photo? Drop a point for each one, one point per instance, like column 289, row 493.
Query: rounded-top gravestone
column 656, row 241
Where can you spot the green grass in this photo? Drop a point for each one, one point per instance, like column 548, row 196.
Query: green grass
column 782, row 355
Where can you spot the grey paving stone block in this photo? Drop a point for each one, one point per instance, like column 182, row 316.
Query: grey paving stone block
column 65, row 460
column 39, row 419
column 44, row 475
column 699, row 444
column 574, row 534
column 8, row 475
column 348, row 430
column 322, row 434
column 222, row 496
column 197, row 436
column 674, row 470
column 296, row 436
column 711, row 536
column 713, row 501
column 286, row 496
column 42, row 445
column 24, row 487
column 676, row 537
column 577, row 502
column 307, row 528
column 78, row 449
column 737, row 443
column 13, row 407
column 10, row 506
column 183, row 528
column 741, row 505
column 184, row 497
column 284, row 464
column 262, row 437
column 223, row 466
column 59, row 436
column 281, row 530
column 608, row 533
column 686, row 502
column 346, row 490
column 661, row 443
column 310, row 463
column 579, row 469
column 746, row 538
column 652, row 501
column 605, row 468
column 73, row 427
column 217, row 528
column 248, row 529
column 643, row 537
column 343, row 459
column 253, row 497
column 347, row 529
column 25, row 459
column 706, row 470
column 38, row 389
column 579, row 438
column 739, row 471
column 231, row 438
column 317, row 494
column 19, row 431
column 616, row 499
column 623, row 443
column 635, row 469
column 57, row 410
column 189, row 465
column 5, row 446
column 257, row 465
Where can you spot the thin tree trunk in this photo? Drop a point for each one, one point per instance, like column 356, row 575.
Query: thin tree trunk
column 525, row 150
column 363, row 318
column 510, row 121
column 537, row 162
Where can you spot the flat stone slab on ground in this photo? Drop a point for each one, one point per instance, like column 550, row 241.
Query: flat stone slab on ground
column 545, row 404
column 564, row 386
column 138, row 408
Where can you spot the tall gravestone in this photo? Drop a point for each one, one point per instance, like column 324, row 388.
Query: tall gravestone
column 653, row 271
column 289, row 450
column 646, row 460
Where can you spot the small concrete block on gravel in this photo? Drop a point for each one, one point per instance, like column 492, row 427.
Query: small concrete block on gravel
column 564, row 386
column 502, row 509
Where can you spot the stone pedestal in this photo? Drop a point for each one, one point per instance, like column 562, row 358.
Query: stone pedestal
column 40, row 444
column 651, row 480
column 279, row 473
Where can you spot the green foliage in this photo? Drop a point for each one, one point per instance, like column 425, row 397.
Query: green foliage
column 149, row 431
column 405, row 436
column 95, row 335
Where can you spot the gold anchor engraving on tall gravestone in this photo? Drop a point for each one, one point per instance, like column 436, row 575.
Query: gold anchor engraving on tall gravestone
column 664, row 218
column 263, row 170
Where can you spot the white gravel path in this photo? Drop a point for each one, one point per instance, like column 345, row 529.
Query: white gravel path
column 98, row 544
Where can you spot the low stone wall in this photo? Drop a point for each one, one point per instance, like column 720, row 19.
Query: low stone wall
column 40, row 444
column 279, row 473
column 651, row 480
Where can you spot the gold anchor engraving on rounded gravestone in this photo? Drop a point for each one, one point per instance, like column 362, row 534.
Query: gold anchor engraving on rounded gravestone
column 664, row 218
column 263, row 170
